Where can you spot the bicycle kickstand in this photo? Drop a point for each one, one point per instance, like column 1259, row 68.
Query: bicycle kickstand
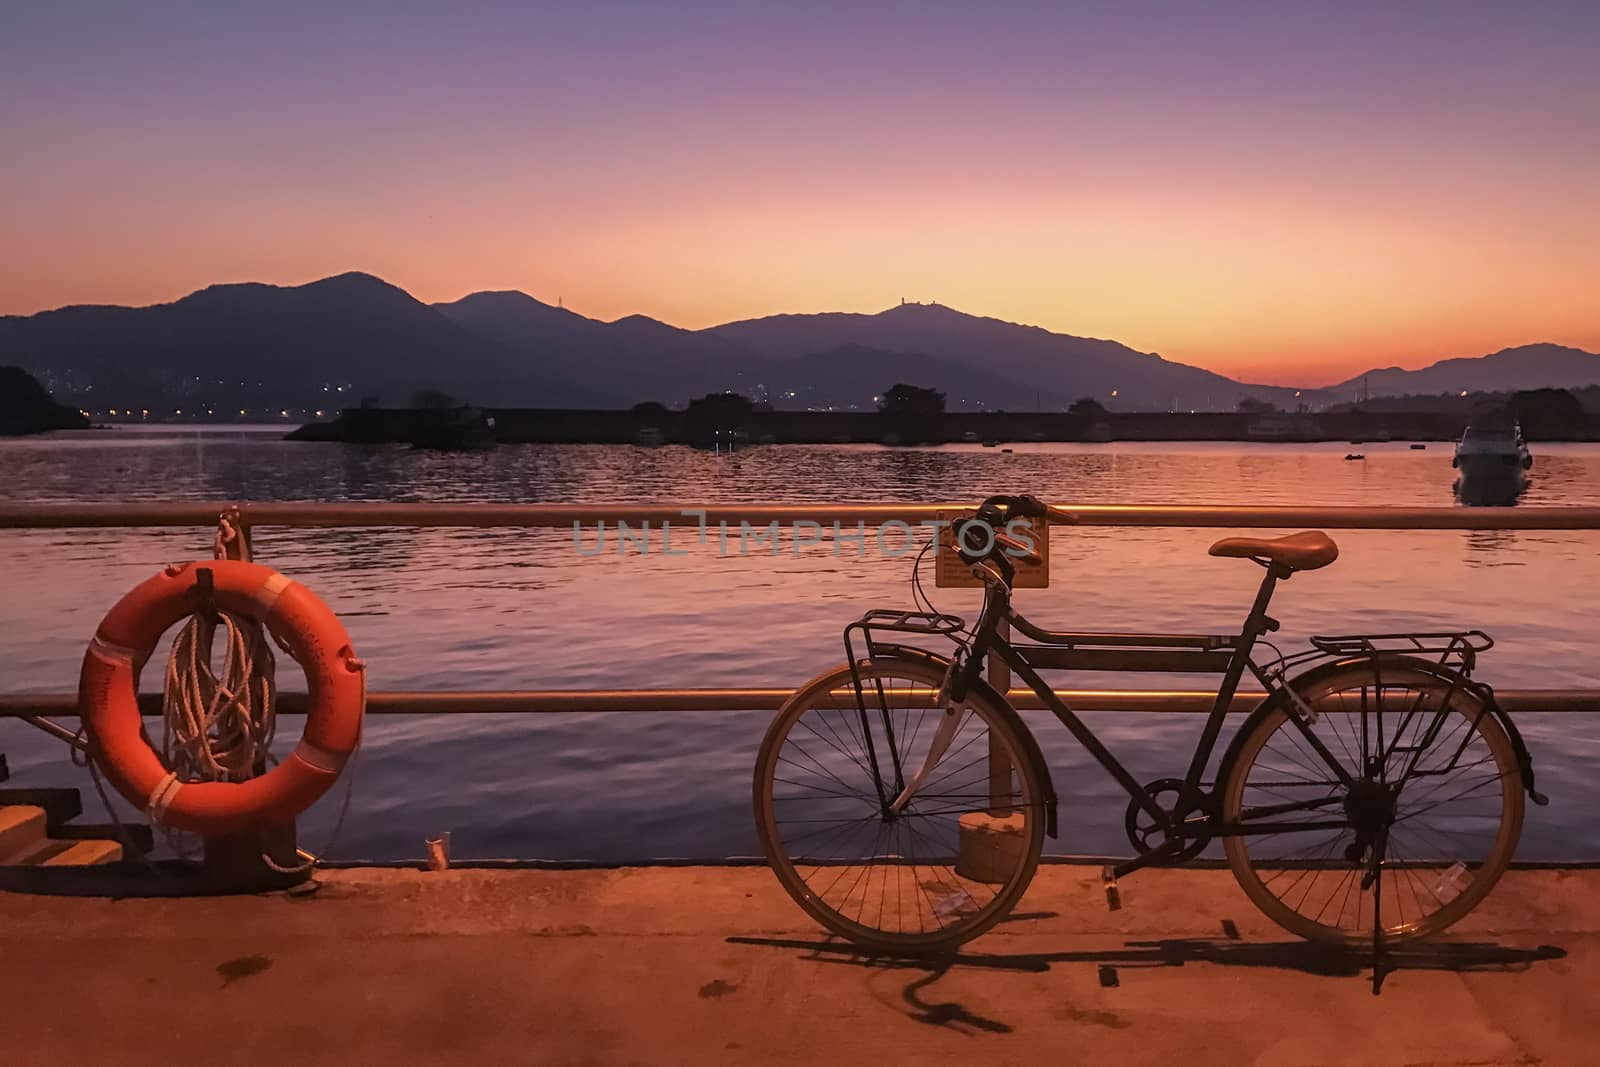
column 1377, row 917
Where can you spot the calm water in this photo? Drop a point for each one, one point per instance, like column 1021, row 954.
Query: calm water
column 489, row 609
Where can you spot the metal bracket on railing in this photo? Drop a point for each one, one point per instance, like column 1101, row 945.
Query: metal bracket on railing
column 233, row 536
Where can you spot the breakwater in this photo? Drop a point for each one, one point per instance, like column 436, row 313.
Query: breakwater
column 593, row 426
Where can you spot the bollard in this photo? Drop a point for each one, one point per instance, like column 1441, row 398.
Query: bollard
column 235, row 863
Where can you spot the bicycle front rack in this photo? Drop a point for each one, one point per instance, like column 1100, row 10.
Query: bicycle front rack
column 911, row 622
column 924, row 623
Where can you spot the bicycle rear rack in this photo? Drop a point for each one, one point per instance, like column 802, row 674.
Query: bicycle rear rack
column 1460, row 646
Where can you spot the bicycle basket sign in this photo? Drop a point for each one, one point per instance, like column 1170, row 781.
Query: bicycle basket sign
column 950, row 572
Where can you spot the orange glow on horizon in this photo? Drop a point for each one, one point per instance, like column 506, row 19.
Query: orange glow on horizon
column 1248, row 204
column 1255, row 284
column 1298, row 345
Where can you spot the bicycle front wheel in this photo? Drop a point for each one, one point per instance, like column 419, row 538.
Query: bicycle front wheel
column 944, row 866
column 1418, row 829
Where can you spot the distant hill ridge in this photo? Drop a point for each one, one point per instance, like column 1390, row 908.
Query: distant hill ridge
column 329, row 342
column 1522, row 367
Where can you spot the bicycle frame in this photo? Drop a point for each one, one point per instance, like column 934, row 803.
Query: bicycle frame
column 1171, row 821
column 1228, row 655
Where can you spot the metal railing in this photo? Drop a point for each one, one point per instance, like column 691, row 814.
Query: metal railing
column 35, row 707
column 564, row 516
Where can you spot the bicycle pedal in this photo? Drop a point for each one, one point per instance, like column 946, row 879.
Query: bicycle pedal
column 1113, row 896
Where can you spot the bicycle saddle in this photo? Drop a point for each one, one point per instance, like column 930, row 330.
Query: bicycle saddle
column 1298, row 552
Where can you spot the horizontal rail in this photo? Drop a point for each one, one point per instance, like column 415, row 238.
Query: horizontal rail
column 564, row 516
column 559, row 701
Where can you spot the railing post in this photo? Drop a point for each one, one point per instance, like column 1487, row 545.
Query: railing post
column 266, row 857
column 990, row 841
column 999, row 762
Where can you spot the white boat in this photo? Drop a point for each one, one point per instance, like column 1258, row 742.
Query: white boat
column 1493, row 459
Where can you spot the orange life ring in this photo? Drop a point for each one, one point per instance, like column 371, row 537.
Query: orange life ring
column 108, row 698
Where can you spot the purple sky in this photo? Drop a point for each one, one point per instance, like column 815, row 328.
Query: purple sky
column 1284, row 194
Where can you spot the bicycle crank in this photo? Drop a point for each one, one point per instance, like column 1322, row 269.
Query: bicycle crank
column 1179, row 802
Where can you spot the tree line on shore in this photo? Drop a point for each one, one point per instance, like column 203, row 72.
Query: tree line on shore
column 911, row 414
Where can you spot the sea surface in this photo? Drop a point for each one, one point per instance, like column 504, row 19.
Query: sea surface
column 450, row 609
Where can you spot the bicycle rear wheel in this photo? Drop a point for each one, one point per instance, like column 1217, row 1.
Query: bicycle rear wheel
column 946, row 867
column 1430, row 817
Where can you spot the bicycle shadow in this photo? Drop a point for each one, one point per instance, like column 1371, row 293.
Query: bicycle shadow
column 1460, row 957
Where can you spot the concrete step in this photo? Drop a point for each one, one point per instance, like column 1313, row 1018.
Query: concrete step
column 84, row 854
column 49, row 852
column 21, row 827
column 139, row 838
column 61, row 806
column 33, row 854
column 25, row 842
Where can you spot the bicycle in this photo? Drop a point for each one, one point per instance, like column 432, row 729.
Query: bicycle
column 903, row 802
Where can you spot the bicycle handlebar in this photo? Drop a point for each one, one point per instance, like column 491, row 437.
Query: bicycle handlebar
column 997, row 512
column 1013, row 507
column 1016, row 550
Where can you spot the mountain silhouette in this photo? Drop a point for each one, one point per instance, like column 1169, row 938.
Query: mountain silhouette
column 330, row 342
column 1060, row 365
column 264, row 343
column 852, row 376
column 1508, row 370
column 632, row 359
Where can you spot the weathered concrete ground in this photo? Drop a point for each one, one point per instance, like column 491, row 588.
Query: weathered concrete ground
column 716, row 965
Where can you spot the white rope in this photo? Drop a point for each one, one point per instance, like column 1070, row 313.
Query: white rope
column 309, row 860
column 161, row 798
column 219, row 728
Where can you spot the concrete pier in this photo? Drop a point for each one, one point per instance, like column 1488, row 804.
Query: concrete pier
column 716, row 965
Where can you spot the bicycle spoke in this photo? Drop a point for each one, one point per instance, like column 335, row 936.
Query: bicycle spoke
column 1428, row 789
column 895, row 875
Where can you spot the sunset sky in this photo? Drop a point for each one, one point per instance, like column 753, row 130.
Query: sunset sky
column 1285, row 196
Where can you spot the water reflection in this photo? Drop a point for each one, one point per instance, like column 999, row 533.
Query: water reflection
column 1494, row 492
column 497, row 609
column 1492, row 548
